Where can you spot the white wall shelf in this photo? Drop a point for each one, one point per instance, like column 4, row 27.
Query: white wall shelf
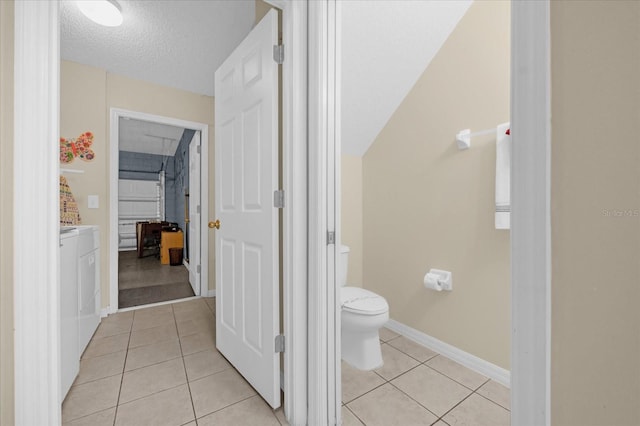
column 74, row 171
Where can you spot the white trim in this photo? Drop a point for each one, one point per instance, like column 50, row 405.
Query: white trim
column 318, row 393
column 209, row 293
column 530, row 213
column 115, row 114
column 470, row 361
column 324, row 315
column 166, row 302
column 104, row 312
column 36, row 213
column 295, row 224
column 334, row 161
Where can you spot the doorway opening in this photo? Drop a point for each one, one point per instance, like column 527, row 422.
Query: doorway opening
column 158, row 190
column 153, row 212
column 444, row 203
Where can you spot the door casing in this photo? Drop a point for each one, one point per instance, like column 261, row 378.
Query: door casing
column 115, row 114
column 531, row 224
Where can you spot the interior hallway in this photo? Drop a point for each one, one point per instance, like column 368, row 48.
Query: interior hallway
column 145, row 280
column 159, row 366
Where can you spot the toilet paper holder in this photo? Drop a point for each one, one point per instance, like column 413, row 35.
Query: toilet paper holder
column 438, row 279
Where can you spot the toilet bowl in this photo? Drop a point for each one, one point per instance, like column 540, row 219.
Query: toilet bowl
column 363, row 312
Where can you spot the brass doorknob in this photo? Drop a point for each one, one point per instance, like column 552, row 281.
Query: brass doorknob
column 215, row 224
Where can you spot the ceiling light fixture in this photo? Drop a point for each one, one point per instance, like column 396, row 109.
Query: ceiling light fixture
column 103, row 12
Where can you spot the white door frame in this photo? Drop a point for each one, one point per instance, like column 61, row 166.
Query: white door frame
column 36, row 214
column 531, row 213
column 530, row 233
column 114, row 116
column 324, row 314
column 37, row 79
column 295, row 220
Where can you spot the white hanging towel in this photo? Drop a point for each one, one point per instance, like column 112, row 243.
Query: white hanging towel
column 503, row 177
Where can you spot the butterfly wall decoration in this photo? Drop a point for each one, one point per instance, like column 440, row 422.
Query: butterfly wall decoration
column 80, row 147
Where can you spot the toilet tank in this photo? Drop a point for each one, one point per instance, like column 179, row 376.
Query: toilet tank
column 344, row 265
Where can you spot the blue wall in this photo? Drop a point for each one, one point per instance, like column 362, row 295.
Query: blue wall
column 181, row 183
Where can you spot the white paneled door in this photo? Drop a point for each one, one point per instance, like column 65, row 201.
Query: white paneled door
column 246, row 176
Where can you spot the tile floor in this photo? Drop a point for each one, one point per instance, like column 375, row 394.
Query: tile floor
column 159, row 366
column 417, row 386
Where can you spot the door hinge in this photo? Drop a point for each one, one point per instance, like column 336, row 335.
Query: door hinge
column 279, row 343
column 331, row 237
column 199, row 269
column 198, row 149
column 278, row 53
column 278, row 199
column 198, row 209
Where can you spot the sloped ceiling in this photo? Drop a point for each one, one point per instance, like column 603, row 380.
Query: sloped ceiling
column 173, row 43
column 386, row 46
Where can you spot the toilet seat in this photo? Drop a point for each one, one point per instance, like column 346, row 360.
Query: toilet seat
column 363, row 302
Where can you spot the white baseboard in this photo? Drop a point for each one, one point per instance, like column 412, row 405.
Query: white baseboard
column 209, row 293
column 104, row 312
column 470, row 361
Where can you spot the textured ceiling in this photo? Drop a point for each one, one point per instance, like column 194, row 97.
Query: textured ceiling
column 178, row 44
column 148, row 137
column 386, row 46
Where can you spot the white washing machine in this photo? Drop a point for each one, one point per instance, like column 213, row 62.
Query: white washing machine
column 69, row 360
column 88, row 296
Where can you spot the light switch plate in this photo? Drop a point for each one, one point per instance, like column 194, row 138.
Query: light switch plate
column 92, row 202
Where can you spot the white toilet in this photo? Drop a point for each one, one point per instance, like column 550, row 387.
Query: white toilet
column 363, row 313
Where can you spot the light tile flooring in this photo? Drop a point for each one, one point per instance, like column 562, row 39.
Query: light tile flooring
column 416, row 386
column 159, row 366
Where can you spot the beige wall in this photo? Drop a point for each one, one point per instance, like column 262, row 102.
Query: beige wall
column 429, row 205
column 351, row 215
column 87, row 94
column 82, row 109
column 595, row 329
column 261, row 9
column 6, row 213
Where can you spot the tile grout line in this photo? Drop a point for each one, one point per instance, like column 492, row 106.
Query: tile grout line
column 355, row 415
column 449, row 377
column 231, row 405
column 439, row 418
column 415, row 400
column 115, row 415
column 184, row 365
column 454, row 407
column 492, row 401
